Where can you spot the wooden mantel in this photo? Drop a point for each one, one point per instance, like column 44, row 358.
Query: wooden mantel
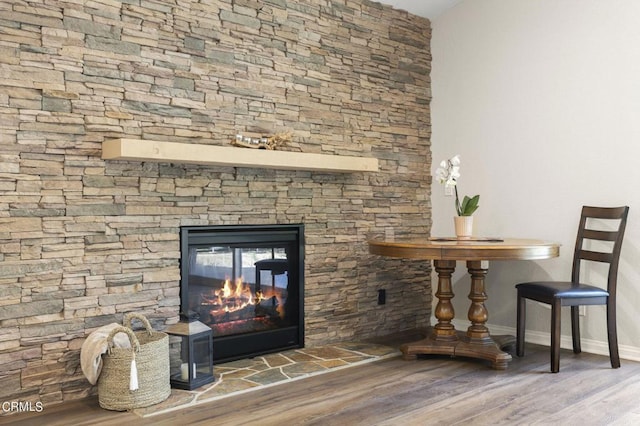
column 175, row 152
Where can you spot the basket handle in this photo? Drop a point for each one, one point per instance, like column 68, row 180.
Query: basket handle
column 131, row 315
column 135, row 343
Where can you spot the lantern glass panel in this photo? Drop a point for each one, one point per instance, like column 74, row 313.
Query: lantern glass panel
column 191, row 355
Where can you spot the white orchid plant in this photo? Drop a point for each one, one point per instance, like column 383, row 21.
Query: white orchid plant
column 448, row 174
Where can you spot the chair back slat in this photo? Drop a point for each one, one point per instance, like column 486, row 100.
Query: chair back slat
column 596, row 256
column 593, row 234
column 605, row 212
column 611, row 256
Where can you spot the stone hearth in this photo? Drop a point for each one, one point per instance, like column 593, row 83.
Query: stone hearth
column 239, row 377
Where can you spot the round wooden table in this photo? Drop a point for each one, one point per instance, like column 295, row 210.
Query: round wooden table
column 443, row 338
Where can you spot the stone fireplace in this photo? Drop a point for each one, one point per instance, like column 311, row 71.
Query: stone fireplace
column 247, row 283
column 85, row 240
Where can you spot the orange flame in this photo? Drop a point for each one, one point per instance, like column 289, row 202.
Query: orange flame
column 236, row 296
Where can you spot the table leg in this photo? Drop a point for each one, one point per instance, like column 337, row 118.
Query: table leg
column 443, row 336
column 477, row 342
column 478, row 315
column 444, row 330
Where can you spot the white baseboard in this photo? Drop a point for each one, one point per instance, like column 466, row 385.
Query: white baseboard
column 597, row 347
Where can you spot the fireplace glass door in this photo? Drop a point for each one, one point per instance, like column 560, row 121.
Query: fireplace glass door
column 246, row 284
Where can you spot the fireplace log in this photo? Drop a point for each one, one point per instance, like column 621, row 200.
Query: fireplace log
column 246, row 313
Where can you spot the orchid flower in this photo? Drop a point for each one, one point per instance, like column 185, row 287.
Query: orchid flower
column 448, row 174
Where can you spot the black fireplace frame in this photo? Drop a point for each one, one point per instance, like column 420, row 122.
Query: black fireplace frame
column 247, row 345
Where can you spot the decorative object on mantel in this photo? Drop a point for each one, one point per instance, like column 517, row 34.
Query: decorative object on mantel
column 448, row 174
column 262, row 142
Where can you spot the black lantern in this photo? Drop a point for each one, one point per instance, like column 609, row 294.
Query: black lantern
column 195, row 366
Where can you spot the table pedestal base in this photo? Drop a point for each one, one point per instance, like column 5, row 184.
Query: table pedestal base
column 489, row 349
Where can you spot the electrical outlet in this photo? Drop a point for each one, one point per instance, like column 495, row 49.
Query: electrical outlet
column 448, row 191
column 382, row 296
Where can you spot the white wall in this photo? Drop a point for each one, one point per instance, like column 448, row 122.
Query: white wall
column 541, row 99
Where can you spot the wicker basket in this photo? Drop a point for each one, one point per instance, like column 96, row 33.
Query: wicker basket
column 150, row 349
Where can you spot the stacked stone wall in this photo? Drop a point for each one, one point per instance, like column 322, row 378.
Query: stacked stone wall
column 83, row 240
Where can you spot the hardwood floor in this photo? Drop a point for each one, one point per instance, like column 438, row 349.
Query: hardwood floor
column 431, row 391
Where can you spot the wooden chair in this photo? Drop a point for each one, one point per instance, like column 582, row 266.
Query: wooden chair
column 575, row 293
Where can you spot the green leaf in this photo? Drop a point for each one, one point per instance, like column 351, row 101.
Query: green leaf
column 469, row 205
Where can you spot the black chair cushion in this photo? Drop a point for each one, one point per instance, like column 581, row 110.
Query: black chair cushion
column 561, row 289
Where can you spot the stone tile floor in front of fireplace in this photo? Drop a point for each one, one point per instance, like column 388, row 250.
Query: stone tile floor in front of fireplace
column 246, row 375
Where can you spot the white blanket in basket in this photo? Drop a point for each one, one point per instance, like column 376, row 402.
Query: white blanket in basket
column 96, row 345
